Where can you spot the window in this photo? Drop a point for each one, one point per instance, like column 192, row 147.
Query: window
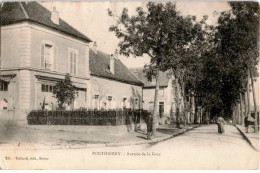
column 161, row 92
column 124, row 102
column 72, row 62
column 47, row 88
column 136, row 103
column 47, row 57
column 109, row 98
column 96, row 102
column 3, row 86
column 153, row 80
column 104, row 105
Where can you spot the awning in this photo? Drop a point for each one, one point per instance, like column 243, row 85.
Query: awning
column 7, row 78
column 78, row 86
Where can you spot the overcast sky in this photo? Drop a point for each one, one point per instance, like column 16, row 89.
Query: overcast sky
column 91, row 19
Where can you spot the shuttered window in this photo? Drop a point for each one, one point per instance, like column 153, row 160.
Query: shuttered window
column 49, row 54
column 73, row 62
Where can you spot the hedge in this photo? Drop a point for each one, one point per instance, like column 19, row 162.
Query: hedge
column 86, row 117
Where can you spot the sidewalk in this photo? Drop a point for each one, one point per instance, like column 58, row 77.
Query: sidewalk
column 251, row 137
column 55, row 137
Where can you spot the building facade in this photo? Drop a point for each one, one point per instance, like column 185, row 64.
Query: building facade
column 37, row 50
column 166, row 98
column 113, row 85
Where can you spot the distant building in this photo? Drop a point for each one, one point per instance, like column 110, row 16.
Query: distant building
column 113, row 85
column 167, row 96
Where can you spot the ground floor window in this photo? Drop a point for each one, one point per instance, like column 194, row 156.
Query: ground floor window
column 161, row 109
column 3, row 86
column 109, row 99
column 47, row 88
column 124, row 102
column 96, row 102
column 136, row 103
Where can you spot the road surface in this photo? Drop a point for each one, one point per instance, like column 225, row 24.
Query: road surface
column 201, row 148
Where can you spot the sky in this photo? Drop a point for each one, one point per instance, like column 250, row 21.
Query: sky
column 91, row 19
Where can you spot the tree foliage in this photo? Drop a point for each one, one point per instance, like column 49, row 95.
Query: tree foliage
column 65, row 92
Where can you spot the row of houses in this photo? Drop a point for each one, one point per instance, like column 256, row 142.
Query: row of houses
column 38, row 48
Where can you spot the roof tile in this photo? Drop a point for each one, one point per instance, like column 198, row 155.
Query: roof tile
column 99, row 66
column 12, row 12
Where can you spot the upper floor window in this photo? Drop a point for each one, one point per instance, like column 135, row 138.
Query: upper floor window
column 48, row 56
column 73, row 55
column 161, row 92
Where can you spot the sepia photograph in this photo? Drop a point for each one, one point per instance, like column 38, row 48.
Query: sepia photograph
column 129, row 85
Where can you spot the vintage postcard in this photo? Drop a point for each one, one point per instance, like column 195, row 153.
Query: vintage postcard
column 122, row 85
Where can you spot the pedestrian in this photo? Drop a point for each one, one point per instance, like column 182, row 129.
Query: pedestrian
column 248, row 121
column 220, row 123
column 149, row 124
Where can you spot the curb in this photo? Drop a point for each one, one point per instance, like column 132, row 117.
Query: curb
column 150, row 141
column 246, row 138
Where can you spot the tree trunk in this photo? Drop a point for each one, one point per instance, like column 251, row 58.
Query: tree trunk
column 192, row 111
column 254, row 99
column 241, row 110
column 246, row 107
column 201, row 114
column 185, row 106
column 248, row 96
column 238, row 113
column 155, row 107
column 234, row 114
column 177, row 102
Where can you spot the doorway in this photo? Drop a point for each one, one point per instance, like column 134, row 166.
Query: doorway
column 161, row 109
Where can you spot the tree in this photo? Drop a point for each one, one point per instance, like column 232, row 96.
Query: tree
column 159, row 31
column 238, row 31
column 65, row 92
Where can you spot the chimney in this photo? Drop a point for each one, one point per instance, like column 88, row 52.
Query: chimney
column 95, row 47
column 112, row 64
column 55, row 16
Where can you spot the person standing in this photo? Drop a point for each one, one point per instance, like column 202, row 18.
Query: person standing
column 149, row 124
column 220, row 123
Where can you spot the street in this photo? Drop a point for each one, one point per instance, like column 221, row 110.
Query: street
column 201, row 148
column 204, row 148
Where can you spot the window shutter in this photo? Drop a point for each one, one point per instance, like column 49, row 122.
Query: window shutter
column 75, row 64
column 55, row 58
column 42, row 56
column 71, row 56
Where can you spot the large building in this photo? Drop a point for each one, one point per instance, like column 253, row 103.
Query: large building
column 38, row 48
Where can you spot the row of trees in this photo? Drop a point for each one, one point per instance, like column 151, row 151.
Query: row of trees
column 211, row 63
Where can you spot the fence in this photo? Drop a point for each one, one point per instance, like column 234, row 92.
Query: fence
column 87, row 117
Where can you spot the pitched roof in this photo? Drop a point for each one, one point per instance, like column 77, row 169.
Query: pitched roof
column 163, row 78
column 15, row 12
column 99, row 66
